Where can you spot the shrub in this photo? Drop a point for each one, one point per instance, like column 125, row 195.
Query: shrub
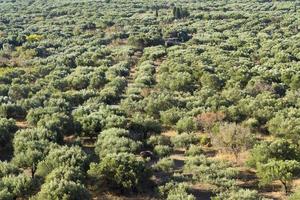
column 115, row 140
column 165, row 165
column 279, row 149
column 121, row 171
column 10, row 110
column 154, row 140
column 63, row 189
column 16, row 185
column 194, row 150
column 233, row 138
column 184, row 140
column 62, row 156
column 8, row 169
column 213, row 172
column 162, row 150
column 170, row 117
column 7, row 129
column 175, row 191
column 282, row 170
column 187, row 124
column 240, row 194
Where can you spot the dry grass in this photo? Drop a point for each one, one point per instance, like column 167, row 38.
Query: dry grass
column 169, row 133
column 22, row 124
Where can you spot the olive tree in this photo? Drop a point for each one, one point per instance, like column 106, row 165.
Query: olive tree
column 62, row 156
column 233, row 138
column 284, row 171
column 123, row 171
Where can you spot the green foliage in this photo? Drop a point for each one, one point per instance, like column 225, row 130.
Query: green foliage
column 179, row 12
column 162, row 150
column 279, row 149
column 172, row 191
column 62, row 156
column 187, row 124
column 180, row 193
column 241, row 194
column 165, row 165
column 191, row 66
column 194, row 150
column 285, row 124
column 12, row 110
column 216, row 173
column 7, row 168
column 30, row 147
column 154, row 140
column 122, row 171
column 170, row 117
column 284, row 171
column 184, row 140
column 16, row 185
column 71, row 173
column 115, row 140
column 7, row 129
column 62, row 189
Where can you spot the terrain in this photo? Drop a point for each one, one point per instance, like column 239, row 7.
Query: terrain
column 176, row 100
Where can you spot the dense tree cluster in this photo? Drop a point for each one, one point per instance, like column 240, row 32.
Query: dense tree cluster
column 137, row 96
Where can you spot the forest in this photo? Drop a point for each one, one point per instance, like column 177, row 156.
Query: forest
column 150, row 99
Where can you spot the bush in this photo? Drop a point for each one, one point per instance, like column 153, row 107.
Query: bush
column 194, row 150
column 62, row 156
column 184, row 140
column 115, row 140
column 180, row 193
column 175, row 191
column 187, row 124
column 165, row 165
column 154, row 140
column 8, row 169
column 69, row 173
column 63, row 189
column 123, row 171
column 10, row 110
column 282, row 170
column 162, row 150
column 240, row 194
column 16, row 185
column 216, row 173
column 279, row 149
column 233, row 138
column 7, row 129
column 170, row 117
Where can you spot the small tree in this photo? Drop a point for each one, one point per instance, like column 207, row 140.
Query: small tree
column 63, row 156
column 29, row 149
column 115, row 140
column 186, row 124
column 16, row 185
column 122, row 171
column 279, row 149
column 233, row 138
column 282, row 170
column 208, row 119
column 63, row 189
column 7, row 129
column 8, row 169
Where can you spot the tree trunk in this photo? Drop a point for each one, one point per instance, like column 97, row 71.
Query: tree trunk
column 285, row 187
column 33, row 171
